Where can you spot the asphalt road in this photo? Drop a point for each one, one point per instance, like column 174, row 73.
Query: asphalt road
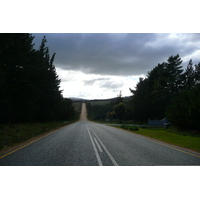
column 85, row 143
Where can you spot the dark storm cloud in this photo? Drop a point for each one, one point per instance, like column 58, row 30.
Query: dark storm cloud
column 118, row 54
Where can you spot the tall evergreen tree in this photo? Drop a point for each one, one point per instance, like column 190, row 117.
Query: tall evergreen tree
column 29, row 84
column 16, row 55
column 173, row 72
column 48, row 83
column 119, row 98
column 197, row 73
column 141, row 103
column 184, row 109
column 188, row 77
column 153, row 94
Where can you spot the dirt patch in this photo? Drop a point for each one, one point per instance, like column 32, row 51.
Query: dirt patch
column 83, row 115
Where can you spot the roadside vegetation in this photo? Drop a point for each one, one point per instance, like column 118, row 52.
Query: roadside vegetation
column 31, row 99
column 31, row 102
column 12, row 134
column 116, row 110
column 29, row 85
column 167, row 91
column 170, row 91
column 187, row 139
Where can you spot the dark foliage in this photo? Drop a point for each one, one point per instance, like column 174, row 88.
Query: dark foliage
column 29, row 84
column 118, row 109
column 184, row 109
column 97, row 112
column 168, row 87
column 132, row 128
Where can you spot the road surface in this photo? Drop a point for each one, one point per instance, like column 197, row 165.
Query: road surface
column 86, row 143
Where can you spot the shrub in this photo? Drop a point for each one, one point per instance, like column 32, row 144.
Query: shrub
column 132, row 128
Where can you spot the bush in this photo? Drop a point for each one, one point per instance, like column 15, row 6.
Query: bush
column 132, row 128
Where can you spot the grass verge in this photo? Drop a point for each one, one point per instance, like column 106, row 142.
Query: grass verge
column 171, row 135
column 12, row 134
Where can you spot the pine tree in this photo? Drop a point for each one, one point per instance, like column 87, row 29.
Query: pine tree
column 197, row 74
column 153, row 94
column 184, row 109
column 48, row 83
column 173, row 72
column 140, row 101
column 188, row 77
column 16, row 55
column 29, row 84
column 119, row 98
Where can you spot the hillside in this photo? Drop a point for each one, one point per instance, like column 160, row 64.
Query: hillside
column 74, row 99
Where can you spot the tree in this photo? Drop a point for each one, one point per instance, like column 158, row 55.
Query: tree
column 153, row 94
column 188, row 77
column 119, row 98
column 16, row 56
column 48, row 83
column 68, row 111
column 159, row 94
column 120, row 111
column 110, row 115
column 173, row 72
column 197, row 73
column 184, row 109
column 29, row 84
column 140, row 101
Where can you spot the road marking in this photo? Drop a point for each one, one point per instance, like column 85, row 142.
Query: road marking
column 100, row 149
column 106, row 150
column 95, row 150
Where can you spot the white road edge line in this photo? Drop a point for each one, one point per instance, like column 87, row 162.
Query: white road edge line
column 95, row 150
column 100, row 149
column 106, row 150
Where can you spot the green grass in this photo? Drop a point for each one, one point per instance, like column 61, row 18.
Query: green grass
column 12, row 134
column 173, row 136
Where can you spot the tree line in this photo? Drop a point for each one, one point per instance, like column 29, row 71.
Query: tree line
column 118, row 109
column 29, row 85
column 168, row 90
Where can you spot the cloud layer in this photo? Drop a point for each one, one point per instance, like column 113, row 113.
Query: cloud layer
column 119, row 54
column 100, row 65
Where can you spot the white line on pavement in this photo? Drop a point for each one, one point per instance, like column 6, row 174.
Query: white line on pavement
column 100, row 149
column 106, row 150
column 95, row 150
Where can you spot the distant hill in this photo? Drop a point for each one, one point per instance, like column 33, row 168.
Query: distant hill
column 74, row 99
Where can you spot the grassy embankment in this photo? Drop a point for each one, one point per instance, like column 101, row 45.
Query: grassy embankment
column 187, row 139
column 13, row 134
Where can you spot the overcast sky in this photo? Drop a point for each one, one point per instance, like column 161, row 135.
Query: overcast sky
column 93, row 66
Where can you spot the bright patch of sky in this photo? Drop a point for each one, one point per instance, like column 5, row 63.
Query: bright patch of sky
column 92, row 86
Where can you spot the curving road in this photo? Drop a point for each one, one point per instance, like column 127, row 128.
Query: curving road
column 85, row 143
